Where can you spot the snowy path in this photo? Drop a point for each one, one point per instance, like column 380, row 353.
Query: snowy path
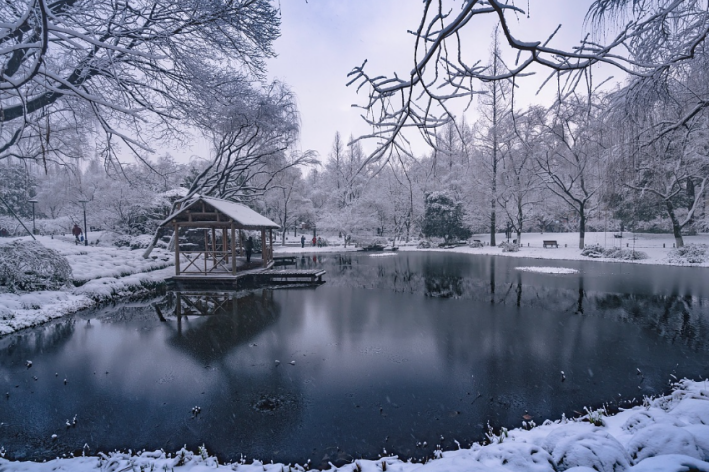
column 670, row 433
column 101, row 273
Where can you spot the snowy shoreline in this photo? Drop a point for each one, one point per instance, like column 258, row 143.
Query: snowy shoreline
column 657, row 247
column 668, row 433
column 107, row 273
column 101, row 274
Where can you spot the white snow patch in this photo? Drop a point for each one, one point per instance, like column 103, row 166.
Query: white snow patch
column 383, row 254
column 546, row 270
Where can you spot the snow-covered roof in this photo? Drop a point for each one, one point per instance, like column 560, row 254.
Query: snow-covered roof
column 243, row 216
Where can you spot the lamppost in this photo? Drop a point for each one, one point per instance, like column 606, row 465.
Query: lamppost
column 34, row 227
column 86, row 230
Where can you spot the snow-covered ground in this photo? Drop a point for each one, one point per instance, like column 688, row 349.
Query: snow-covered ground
column 532, row 246
column 670, row 433
column 101, row 273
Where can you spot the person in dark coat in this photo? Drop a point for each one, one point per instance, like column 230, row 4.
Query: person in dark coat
column 76, row 231
column 302, row 241
column 248, row 248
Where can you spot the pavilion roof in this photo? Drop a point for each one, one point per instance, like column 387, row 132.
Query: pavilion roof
column 213, row 212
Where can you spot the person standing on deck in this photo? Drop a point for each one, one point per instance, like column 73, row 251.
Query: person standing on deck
column 302, row 241
column 248, row 248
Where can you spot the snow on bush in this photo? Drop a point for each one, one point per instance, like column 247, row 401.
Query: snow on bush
column 133, row 242
column 29, row 266
column 509, row 247
column 693, row 253
column 598, row 251
column 424, row 244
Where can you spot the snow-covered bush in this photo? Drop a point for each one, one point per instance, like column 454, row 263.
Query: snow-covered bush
column 693, row 253
column 424, row 244
column 593, row 251
column 132, row 242
column 30, row 266
column 369, row 243
column 508, row 247
column 597, row 251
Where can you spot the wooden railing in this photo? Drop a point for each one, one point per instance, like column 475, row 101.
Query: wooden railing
column 206, row 262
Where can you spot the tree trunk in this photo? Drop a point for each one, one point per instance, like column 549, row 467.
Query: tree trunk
column 582, row 227
column 676, row 227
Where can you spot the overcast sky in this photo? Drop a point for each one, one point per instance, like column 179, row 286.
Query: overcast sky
column 322, row 40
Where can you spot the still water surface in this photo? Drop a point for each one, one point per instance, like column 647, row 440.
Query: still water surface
column 398, row 353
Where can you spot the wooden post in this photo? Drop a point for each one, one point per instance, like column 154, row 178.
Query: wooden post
column 263, row 248
column 233, row 249
column 214, row 247
column 177, row 249
column 270, row 246
column 206, row 250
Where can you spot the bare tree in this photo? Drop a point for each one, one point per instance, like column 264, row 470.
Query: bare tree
column 570, row 167
column 251, row 137
column 445, row 67
column 130, row 69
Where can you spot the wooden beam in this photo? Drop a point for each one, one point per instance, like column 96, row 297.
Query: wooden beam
column 233, row 249
column 214, row 247
column 177, row 249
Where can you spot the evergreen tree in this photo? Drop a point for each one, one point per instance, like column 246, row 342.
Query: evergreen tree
column 443, row 218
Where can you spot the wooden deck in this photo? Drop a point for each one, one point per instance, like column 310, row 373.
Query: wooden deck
column 250, row 278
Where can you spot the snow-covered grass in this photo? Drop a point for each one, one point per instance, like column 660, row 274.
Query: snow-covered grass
column 100, row 273
column 669, row 433
column 546, row 270
column 532, row 247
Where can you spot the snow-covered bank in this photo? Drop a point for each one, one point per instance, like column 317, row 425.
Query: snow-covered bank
column 657, row 247
column 102, row 273
column 669, row 433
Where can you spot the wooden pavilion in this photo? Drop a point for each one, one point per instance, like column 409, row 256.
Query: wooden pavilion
column 223, row 254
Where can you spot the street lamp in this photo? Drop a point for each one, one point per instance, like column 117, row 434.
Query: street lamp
column 86, row 230
column 34, row 227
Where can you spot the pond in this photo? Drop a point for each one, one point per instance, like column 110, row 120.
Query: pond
column 397, row 353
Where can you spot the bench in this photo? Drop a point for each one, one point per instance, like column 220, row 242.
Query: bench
column 617, row 235
column 549, row 243
column 476, row 244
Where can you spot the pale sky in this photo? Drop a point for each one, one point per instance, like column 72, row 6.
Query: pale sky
column 322, row 40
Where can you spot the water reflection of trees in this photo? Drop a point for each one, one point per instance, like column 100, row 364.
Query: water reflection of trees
column 679, row 318
column 47, row 339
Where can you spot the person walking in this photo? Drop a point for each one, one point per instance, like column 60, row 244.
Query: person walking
column 314, row 241
column 248, row 248
column 76, row 231
column 302, row 241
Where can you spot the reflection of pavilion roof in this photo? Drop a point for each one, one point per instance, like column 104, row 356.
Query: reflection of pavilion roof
column 213, row 337
column 212, row 210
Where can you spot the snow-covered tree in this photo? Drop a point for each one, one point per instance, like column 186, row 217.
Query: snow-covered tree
column 129, row 70
column 444, row 218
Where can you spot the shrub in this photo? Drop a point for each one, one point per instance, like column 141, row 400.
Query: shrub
column 597, row 251
column 424, row 244
column 30, row 266
column 693, row 253
column 508, row 247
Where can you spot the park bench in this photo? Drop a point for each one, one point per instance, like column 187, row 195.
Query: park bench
column 549, row 243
